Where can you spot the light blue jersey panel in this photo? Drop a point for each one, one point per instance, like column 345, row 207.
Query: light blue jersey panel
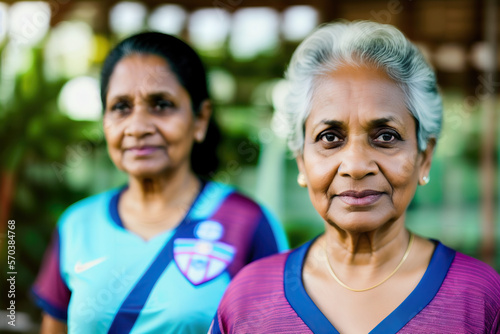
column 102, row 263
column 175, row 305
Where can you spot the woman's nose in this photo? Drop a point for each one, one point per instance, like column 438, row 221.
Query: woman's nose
column 140, row 123
column 357, row 160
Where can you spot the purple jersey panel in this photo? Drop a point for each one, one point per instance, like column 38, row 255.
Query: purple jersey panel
column 242, row 219
column 49, row 290
column 255, row 301
column 467, row 302
column 457, row 294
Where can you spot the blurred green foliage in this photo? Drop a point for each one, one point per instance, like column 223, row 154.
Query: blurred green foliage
column 54, row 161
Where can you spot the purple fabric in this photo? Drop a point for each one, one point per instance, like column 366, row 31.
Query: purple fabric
column 243, row 215
column 255, row 301
column 49, row 290
column 468, row 301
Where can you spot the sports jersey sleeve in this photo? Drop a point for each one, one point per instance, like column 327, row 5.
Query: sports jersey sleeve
column 255, row 301
column 50, row 291
column 269, row 237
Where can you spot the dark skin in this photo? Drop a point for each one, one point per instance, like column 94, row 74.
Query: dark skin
column 150, row 128
column 362, row 166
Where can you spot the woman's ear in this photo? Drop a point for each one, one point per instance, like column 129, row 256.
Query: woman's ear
column 201, row 121
column 426, row 161
column 300, row 162
column 301, row 178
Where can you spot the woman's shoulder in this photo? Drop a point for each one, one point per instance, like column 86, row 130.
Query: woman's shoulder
column 214, row 190
column 270, row 267
column 220, row 196
column 256, row 281
column 267, row 274
column 95, row 204
column 469, row 270
column 473, row 280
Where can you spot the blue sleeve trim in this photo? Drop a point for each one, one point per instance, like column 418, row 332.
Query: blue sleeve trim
column 277, row 230
column 215, row 327
column 264, row 242
column 55, row 312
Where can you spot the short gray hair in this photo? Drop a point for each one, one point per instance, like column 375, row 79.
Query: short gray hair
column 359, row 43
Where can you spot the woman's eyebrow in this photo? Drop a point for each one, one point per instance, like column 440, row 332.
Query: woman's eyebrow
column 159, row 94
column 119, row 98
column 330, row 122
column 383, row 121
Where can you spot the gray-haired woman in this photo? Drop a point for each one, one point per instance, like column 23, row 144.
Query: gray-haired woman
column 364, row 116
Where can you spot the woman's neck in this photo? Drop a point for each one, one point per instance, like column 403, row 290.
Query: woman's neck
column 356, row 255
column 150, row 206
column 166, row 190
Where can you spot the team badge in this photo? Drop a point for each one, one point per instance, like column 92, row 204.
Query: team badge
column 203, row 258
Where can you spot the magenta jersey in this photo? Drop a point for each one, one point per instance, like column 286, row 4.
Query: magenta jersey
column 457, row 294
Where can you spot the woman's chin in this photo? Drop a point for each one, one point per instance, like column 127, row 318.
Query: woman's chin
column 145, row 172
column 357, row 222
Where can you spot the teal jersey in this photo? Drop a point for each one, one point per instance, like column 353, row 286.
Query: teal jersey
column 101, row 278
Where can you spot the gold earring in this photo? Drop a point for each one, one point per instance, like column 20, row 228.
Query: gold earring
column 301, row 180
column 199, row 137
column 425, row 180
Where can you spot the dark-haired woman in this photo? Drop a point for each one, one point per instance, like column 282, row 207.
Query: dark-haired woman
column 156, row 255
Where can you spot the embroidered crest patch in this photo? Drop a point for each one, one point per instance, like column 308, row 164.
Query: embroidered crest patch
column 203, row 259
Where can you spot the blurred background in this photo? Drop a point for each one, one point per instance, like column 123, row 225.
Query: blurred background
column 52, row 148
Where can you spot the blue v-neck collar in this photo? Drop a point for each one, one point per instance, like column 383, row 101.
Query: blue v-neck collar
column 425, row 291
column 115, row 198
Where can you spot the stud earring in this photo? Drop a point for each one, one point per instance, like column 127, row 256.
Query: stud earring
column 425, row 180
column 301, row 180
column 199, row 137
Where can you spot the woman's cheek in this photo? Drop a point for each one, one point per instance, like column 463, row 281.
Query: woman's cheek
column 320, row 175
column 403, row 169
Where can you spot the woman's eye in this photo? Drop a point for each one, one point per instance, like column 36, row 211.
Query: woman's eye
column 163, row 104
column 120, row 106
column 329, row 137
column 387, row 137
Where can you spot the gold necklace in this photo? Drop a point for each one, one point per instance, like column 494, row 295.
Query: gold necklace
column 412, row 236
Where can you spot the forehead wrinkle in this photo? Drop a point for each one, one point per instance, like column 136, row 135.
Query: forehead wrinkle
column 371, row 97
column 141, row 73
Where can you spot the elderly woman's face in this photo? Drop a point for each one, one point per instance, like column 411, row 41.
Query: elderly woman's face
column 149, row 122
column 360, row 156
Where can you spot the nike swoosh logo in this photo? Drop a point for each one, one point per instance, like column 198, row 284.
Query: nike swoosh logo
column 81, row 267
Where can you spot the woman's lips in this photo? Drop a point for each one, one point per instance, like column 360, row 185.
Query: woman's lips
column 143, row 151
column 360, row 198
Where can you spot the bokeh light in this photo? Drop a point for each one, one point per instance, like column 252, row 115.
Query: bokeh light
column 15, row 61
column 169, row 19
column 3, row 21
column 28, row 22
column 126, row 18
column 254, row 31
column 79, row 99
column 69, row 50
column 298, row 22
column 482, row 57
column 450, row 58
column 208, row 28
column 222, row 85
